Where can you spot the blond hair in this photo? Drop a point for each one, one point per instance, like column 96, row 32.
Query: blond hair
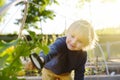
column 84, row 30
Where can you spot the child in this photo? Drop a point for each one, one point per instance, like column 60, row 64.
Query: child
column 69, row 53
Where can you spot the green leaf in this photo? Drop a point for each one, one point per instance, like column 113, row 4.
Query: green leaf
column 4, row 45
column 45, row 49
column 2, row 61
column 2, row 2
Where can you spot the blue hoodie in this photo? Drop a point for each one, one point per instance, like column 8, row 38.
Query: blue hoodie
column 62, row 60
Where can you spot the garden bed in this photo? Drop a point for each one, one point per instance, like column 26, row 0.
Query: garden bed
column 113, row 67
column 92, row 77
column 103, row 77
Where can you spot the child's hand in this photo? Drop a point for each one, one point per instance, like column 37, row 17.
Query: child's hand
column 29, row 66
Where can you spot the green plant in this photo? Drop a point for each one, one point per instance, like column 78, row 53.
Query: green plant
column 10, row 62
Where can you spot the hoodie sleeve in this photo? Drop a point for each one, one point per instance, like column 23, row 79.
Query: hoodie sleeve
column 55, row 48
column 79, row 72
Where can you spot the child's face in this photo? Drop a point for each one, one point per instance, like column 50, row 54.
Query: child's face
column 74, row 43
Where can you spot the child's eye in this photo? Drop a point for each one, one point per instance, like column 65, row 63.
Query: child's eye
column 72, row 36
column 79, row 41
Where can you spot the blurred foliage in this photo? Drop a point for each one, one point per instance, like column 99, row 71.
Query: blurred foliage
column 37, row 12
column 11, row 52
column 2, row 3
column 81, row 3
column 108, row 34
column 108, row 31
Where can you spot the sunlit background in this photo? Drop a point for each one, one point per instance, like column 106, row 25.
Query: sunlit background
column 101, row 14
